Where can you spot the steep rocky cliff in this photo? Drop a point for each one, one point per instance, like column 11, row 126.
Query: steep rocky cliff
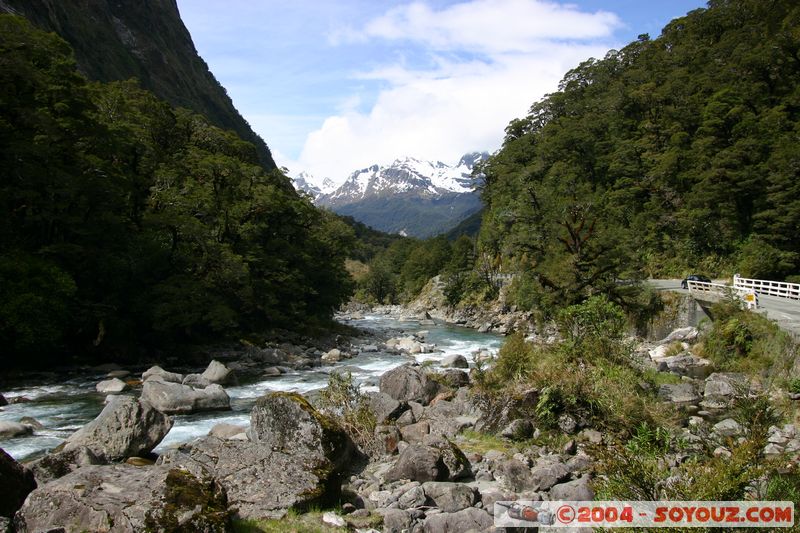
column 145, row 39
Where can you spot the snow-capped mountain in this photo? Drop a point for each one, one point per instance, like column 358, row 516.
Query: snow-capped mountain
column 409, row 196
column 426, row 179
column 307, row 183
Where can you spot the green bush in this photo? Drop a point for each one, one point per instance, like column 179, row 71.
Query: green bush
column 343, row 400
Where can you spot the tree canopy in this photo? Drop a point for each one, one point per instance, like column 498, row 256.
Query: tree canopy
column 672, row 155
column 128, row 224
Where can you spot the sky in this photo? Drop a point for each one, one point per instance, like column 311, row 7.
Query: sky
column 336, row 86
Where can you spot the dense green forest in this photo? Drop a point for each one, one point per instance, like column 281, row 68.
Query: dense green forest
column 127, row 224
column 671, row 155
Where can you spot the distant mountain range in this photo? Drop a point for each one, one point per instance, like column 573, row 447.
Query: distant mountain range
column 409, row 197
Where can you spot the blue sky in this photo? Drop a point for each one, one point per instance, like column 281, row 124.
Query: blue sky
column 336, row 86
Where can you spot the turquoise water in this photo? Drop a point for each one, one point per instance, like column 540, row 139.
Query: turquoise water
column 64, row 407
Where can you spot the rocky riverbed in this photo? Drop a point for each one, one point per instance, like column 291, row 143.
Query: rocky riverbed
column 437, row 459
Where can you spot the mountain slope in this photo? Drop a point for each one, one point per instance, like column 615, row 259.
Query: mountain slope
column 121, row 39
column 410, row 197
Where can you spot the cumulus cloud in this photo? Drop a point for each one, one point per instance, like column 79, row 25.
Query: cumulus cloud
column 485, row 62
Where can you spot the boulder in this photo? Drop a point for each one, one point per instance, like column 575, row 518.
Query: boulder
column 471, row 519
column 519, row 429
column 219, row 374
column 547, row 475
column 408, row 383
column 16, row 482
column 728, row 428
column 111, row 386
column 124, row 428
column 726, row 385
column 414, row 433
column 60, row 463
column 577, row 490
column 389, row 437
column 195, row 380
column 333, row 356
column 682, row 334
column 454, row 378
column 517, row 475
column 125, row 498
column 384, row 407
column 688, row 365
column 261, row 481
column 396, row 521
column 3, row 400
column 682, row 393
column 31, row 422
column 449, row 497
column 412, row 497
column 10, row 430
column 441, row 461
column 156, row 372
column 455, row 361
column 176, row 398
column 287, row 421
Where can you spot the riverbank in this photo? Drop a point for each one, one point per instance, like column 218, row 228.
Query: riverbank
column 439, row 428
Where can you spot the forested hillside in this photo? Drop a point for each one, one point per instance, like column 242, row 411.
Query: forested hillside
column 127, row 224
column 672, row 155
column 122, row 39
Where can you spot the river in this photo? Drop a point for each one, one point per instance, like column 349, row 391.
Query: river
column 63, row 407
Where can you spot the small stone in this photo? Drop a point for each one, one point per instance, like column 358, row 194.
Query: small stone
column 332, row 519
column 721, row 451
column 728, row 428
column 567, row 424
column 570, row 447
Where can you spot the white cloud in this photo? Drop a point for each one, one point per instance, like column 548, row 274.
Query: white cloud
column 491, row 60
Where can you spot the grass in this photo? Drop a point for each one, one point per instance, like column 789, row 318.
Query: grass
column 661, row 378
column 476, row 442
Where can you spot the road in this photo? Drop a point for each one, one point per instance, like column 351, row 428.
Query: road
column 785, row 313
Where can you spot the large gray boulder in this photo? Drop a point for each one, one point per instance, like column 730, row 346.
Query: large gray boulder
column 111, row 386
column 10, row 430
column 124, row 498
column 438, row 460
column 261, row 482
column 546, row 475
column 450, row 497
column 126, row 427
column 455, row 361
column 158, row 373
column 577, row 490
column 176, row 398
column 16, row 482
column 408, row 383
column 219, row 373
column 385, row 407
column 287, row 421
column 295, row 457
column 680, row 393
column 471, row 519
column 60, row 463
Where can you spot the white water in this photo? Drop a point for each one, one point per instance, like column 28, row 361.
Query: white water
column 63, row 408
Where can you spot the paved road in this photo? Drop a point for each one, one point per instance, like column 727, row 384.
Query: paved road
column 786, row 313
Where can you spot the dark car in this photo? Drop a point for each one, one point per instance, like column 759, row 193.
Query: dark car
column 693, row 277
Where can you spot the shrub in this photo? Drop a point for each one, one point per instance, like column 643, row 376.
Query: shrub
column 344, row 400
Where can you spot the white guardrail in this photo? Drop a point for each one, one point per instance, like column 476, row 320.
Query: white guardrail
column 748, row 296
column 770, row 288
